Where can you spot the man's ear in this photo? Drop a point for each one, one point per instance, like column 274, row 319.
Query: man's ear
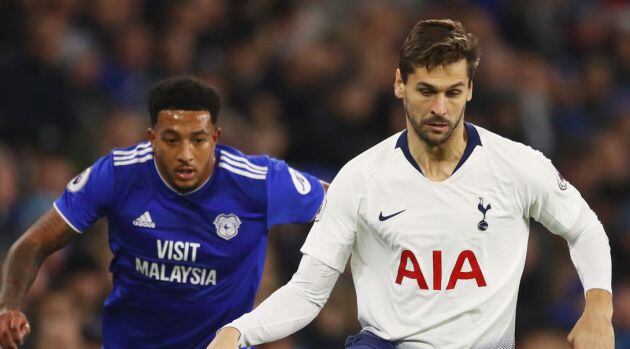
column 470, row 91
column 151, row 135
column 399, row 85
column 216, row 134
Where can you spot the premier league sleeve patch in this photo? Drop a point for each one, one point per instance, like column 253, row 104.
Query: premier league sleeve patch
column 78, row 182
column 300, row 182
column 227, row 225
column 320, row 212
column 562, row 183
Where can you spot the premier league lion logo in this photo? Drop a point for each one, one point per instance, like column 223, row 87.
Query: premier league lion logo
column 227, row 225
column 79, row 181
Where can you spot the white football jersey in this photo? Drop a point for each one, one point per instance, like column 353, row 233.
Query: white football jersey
column 438, row 264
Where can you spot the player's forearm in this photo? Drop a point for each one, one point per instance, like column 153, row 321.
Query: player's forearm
column 590, row 252
column 279, row 316
column 47, row 235
column 19, row 272
column 291, row 307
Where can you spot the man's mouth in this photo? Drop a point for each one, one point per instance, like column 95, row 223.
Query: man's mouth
column 185, row 173
column 438, row 126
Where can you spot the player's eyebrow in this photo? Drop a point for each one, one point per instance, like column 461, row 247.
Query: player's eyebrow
column 200, row 133
column 171, row 132
column 459, row 84
column 422, row 84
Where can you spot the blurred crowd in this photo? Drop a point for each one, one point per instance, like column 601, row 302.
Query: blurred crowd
column 309, row 81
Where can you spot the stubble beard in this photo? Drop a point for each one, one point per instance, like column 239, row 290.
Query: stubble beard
column 416, row 125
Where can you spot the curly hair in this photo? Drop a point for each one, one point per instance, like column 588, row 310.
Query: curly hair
column 183, row 93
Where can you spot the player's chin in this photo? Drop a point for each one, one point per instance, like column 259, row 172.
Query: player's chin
column 435, row 138
column 185, row 185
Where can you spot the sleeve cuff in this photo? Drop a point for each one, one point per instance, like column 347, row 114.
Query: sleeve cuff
column 65, row 219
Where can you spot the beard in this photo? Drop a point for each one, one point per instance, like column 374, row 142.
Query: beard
column 425, row 136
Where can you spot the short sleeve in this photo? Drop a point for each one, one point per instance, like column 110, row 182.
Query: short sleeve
column 332, row 236
column 292, row 196
column 551, row 199
column 88, row 195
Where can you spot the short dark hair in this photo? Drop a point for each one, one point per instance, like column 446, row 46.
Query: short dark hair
column 183, row 93
column 435, row 42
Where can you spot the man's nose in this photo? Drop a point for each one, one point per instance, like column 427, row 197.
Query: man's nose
column 439, row 105
column 186, row 152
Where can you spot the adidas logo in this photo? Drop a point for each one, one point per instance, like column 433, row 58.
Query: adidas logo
column 144, row 221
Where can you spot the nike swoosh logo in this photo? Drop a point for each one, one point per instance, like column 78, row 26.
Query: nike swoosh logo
column 384, row 218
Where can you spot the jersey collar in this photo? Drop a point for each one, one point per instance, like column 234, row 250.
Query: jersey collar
column 473, row 141
column 203, row 186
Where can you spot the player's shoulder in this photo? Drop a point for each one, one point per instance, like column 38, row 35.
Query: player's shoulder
column 129, row 164
column 496, row 143
column 131, row 157
column 505, row 149
column 369, row 162
column 124, row 159
column 243, row 166
column 225, row 151
column 120, row 166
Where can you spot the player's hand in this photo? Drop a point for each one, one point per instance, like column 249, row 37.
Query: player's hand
column 594, row 329
column 592, row 332
column 227, row 338
column 13, row 328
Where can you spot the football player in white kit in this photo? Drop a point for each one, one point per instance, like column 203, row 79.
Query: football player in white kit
column 436, row 220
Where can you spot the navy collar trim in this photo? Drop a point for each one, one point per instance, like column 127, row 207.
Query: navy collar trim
column 473, row 141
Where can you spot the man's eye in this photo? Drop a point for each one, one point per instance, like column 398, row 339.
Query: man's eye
column 199, row 140
column 170, row 140
column 453, row 93
column 426, row 91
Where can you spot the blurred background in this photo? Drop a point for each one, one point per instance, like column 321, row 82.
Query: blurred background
column 310, row 82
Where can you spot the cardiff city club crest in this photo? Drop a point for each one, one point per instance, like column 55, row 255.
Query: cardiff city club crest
column 227, row 225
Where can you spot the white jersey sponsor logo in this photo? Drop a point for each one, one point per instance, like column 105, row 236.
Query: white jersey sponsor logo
column 169, row 251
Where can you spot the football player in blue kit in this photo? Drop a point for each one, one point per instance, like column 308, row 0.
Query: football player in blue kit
column 188, row 221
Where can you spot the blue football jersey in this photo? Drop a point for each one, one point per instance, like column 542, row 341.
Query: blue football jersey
column 184, row 264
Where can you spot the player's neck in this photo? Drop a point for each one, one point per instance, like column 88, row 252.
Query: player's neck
column 438, row 162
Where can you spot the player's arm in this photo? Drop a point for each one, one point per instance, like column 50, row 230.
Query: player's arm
column 286, row 311
column 560, row 208
column 292, row 196
column 46, row 236
column 326, row 251
column 590, row 253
